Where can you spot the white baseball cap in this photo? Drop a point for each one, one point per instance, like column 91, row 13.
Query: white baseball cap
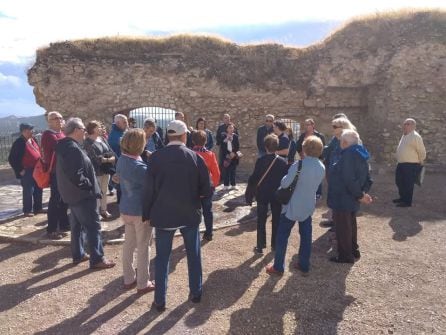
column 176, row 127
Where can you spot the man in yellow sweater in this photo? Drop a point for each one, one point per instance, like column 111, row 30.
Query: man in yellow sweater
column 410, row 155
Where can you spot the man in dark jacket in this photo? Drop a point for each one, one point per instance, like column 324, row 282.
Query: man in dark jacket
column 349, row 181
column 262, row 132
column 264, row 192
column 80, row 190
column 23, row 157
column 175, row 182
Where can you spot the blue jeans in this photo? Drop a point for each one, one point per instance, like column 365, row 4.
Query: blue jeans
column 30, row 192
column 84, row 217
column 206, row 204
column 57, row 209
column 191, row 237
column 283, row 233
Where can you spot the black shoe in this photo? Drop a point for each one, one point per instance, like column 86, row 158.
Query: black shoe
column 336, row 259
column 159, row 308
column 403, row 204
column 356, row 254
column 65, row 229
column 258, row 251
column 196, row 299
column 397, row 201
column 327, row 224
column 332, row 230
column 207, row 237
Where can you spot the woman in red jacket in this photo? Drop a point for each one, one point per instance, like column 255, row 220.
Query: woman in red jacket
column 199, row 140
column 25, row 153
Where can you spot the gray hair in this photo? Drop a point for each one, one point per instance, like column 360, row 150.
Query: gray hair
column 350, row 136
column 410, row 121
column 51, row 114
column 119, row 117
column 271, row 116
column 73, row 124
column 149, row 122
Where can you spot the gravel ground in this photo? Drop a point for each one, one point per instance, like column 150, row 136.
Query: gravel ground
column 398, row 286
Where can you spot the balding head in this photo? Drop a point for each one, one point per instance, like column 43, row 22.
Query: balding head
column 409, row 126
column 55, row 121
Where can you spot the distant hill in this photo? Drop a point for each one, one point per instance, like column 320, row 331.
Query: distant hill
column 10, row 124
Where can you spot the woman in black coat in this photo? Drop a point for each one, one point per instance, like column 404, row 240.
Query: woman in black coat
column 262, row 184
column 230, row 147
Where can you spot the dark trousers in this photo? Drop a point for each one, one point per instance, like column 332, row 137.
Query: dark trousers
column 85, row 218
column 206, row 205
column 163, row 242
column 262, row 214
column 57, row 209
column 221, row 158
column 229, row 174
column 346, row 234
column 31, row 193
column 405, row 177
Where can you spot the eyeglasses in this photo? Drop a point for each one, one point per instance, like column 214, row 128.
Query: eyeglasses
column 336, row 127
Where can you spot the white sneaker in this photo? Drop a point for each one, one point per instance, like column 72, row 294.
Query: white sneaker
column 233, row 187
column 225, row 188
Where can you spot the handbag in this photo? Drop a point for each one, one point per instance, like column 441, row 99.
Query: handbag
column 283, row 195
column 420, row 176
column 250, row 192
column 42, row 176
column 108, row 168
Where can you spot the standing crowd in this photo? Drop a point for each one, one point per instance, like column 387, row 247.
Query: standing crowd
column 166, row 183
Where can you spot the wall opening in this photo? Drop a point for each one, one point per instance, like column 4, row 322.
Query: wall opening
column 161, row 115
column 294, row 125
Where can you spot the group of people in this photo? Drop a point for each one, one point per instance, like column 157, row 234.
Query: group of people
column 167, row 184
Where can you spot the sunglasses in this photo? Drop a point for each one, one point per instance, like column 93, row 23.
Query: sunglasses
column 336, row 127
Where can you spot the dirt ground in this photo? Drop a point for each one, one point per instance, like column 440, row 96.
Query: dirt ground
column 397, row 287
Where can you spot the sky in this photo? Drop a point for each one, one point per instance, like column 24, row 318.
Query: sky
column 28, row 25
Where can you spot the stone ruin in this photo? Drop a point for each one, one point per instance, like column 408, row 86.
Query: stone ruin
column 378, row 70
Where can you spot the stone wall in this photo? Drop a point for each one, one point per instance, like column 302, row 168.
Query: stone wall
column 378, row 71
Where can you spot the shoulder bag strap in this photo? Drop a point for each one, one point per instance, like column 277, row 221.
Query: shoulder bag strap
column 51, row 162
column 265, row 174
column 299, row 167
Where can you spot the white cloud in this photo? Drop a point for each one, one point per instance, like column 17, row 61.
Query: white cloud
column 28, row 25
column 6, row 80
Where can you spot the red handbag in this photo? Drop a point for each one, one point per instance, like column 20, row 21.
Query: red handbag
column 42, row 176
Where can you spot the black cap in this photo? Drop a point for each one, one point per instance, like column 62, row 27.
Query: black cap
column 24, row 126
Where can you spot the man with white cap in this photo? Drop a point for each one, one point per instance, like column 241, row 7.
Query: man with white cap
column 176, row 180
